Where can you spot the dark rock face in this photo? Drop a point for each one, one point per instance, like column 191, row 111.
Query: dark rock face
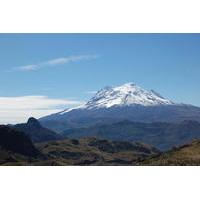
column 75, row 142
column 36, row 132
column 32, row 122
column 17, row 142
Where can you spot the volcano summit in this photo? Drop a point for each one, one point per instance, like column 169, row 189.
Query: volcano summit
column 125, row 102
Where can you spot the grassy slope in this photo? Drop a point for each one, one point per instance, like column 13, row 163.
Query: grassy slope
column 73, row 152
column 8, row 158
column 81, row 152
column 186, row 155
column 65, row 152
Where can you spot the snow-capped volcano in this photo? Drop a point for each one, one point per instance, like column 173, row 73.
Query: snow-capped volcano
column 125, row 102
column 127, row 94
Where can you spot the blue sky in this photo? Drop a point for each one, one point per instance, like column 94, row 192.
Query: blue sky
column 67, row 67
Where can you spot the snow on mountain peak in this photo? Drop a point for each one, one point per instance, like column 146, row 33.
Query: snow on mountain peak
column 127, row 94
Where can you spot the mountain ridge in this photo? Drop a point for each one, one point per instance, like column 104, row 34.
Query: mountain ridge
column 36, row 131
column 125, row 102
column 124, row 95
column 161, row 135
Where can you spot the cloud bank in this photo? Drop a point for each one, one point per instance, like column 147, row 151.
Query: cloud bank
column 54, row 62
column 19, row 109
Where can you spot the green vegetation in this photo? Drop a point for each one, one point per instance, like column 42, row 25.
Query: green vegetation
column 17, row 148
column 90, row 151
column 87, row 151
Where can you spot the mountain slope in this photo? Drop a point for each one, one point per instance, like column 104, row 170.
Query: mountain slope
column 36, row 132
column 186, row 155
column 16, row 142
column 127, row 94
column 161, row 135
column 126, row 102
column 86, row 151
column 92, row 151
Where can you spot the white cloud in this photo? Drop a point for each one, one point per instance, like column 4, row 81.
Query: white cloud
column 21, row 116
column 27, row 68
column 54, row 62
column 19, row 109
